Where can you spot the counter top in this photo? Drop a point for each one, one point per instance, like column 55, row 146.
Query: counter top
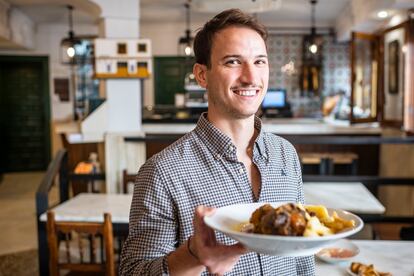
column 291, row 126
column 280, row 126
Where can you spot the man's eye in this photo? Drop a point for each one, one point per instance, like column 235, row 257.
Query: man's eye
column 261, row 61
column 232, row 62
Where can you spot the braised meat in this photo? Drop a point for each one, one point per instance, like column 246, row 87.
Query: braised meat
column 285, row 220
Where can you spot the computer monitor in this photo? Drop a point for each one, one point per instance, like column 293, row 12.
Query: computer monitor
column 274, row 99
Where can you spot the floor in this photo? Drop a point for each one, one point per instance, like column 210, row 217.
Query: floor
column 17, row 212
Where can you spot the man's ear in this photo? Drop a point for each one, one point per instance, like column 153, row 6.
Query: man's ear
column 200, row 73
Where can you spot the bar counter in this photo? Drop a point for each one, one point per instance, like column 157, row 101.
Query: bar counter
column 288, row 126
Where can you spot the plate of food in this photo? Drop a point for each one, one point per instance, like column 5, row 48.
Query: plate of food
column 285, row 229
column 340, row 251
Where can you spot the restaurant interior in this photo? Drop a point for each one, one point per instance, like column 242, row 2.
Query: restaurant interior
column 91, row 89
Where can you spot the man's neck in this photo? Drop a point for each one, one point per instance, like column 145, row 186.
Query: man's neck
column 240, row 131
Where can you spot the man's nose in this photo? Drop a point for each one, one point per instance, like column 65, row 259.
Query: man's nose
column 249, row 74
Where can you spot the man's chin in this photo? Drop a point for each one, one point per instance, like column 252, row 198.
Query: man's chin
column 243, row 115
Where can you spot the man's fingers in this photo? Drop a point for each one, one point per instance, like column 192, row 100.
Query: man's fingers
column 202, row 233
column 234, row 250
column 200, row 213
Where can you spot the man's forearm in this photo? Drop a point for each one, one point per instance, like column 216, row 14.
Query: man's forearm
column 181, row 262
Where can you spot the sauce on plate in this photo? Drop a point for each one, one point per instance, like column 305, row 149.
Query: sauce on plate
column 336, row 253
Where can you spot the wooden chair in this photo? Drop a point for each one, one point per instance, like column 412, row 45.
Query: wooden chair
column 327, row 160
column 74, row 233
column 126, row 179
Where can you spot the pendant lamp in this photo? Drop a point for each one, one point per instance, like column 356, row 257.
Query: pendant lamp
column 185, row 43
column 69, row 43
column 313, row 47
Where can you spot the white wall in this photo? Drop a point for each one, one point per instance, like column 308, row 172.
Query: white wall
column 164, row 38
column 22, row 28
column 165, row 35
column 47, row 39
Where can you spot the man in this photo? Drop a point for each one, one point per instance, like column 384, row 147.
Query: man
column 227, row 159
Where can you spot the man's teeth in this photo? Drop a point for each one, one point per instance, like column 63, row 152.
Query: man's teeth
column 246, row 92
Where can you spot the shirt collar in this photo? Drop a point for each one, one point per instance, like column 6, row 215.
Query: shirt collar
column 260, row 139
column 219, row 143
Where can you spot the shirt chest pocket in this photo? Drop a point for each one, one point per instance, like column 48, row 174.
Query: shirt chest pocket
column 280, row 186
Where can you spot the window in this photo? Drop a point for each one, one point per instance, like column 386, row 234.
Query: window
column 142, row 64
column 142, row 48
column 122, row 48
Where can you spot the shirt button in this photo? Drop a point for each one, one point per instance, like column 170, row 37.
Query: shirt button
column 241, row 171
column 218, row 156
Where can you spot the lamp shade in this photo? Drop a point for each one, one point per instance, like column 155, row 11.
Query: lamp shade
column 68, row 52
column 185, row 44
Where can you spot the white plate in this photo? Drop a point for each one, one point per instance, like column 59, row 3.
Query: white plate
column 348, row 270
column 226, row 220
column 340, row 244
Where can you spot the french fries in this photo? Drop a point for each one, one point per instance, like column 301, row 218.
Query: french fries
column 327, row 225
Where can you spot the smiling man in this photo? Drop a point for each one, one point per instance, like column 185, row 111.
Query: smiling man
column 227, row 159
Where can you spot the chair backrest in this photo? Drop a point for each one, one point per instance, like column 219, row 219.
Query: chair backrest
column 80, row 241
column 126, row 179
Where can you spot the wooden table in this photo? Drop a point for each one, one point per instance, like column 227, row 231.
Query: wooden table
column 396, row 257
column 89, row 207
column 353, row 197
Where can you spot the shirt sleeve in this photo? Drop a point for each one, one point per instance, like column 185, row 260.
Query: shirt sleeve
column 152, row 227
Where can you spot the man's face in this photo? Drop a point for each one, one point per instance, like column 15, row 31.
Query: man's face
column 238, row 78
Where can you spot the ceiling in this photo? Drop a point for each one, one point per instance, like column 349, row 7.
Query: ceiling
column 55, row 11
column 292, row 13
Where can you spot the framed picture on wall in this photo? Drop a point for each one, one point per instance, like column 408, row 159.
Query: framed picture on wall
column 392, row 96
column 393, row 66
column 62, row 88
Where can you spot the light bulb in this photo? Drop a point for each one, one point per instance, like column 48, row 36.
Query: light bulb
column 187, row 50
column 313, row 48
column 71, row 52
column 382, row 14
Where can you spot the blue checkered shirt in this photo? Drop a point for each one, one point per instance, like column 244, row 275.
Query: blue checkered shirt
column 202, row 168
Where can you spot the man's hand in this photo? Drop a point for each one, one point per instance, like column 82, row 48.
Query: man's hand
column 217, row 257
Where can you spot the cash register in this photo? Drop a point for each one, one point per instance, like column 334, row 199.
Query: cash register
column 275, row 104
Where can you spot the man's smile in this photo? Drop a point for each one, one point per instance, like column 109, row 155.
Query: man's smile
column 247, row 92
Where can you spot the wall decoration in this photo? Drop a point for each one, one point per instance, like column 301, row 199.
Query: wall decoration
column 122, row 58
column 62, row 88
column 394, row 40
column 393, row 66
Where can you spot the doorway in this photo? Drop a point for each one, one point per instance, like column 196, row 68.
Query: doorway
column 24, row 113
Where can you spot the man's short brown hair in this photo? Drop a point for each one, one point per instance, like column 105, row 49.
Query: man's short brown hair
column 233, row 17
